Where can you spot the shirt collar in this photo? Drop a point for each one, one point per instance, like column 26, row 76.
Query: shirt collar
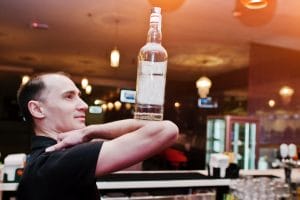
column 41, row 142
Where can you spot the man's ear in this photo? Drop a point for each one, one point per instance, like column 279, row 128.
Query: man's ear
column 35, row 109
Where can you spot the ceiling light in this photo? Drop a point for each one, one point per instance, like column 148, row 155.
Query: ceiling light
column 127, row 106
column 25, row 79
column 167, row 5
column 110, row 105
column 84, row 83
column 115, row 54
column 203, row 84
column 286, row 91
column 254, row 4
column 197, row 60
column 286, row 94
column 104, row 107
column 114, row 57
column 37, row 25
column 271, row 103
column 88, row 89
column 177, row 104
column 118, row 105
column 98, row 102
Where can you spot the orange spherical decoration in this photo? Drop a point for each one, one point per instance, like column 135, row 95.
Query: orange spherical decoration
column 254, row 17
column 167, row 5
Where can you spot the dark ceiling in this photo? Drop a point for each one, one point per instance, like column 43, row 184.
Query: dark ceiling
column 202, row 37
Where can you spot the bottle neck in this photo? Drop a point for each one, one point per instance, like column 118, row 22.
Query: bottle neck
column 154, row 33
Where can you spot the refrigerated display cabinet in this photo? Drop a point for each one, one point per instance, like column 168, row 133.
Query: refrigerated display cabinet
column 237, row 134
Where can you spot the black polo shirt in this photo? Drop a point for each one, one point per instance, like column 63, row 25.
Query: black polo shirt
column 60, row 175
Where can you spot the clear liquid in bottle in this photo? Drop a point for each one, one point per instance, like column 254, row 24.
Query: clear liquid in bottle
column 151, row 75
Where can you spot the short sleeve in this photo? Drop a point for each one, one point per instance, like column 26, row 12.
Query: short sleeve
column 75, row 165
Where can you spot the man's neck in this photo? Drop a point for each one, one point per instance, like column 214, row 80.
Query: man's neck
column 45, row 133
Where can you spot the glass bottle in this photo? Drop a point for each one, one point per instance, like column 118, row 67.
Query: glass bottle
column 151, row 73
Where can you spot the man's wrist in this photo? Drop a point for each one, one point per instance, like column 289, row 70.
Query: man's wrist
column 88, row 132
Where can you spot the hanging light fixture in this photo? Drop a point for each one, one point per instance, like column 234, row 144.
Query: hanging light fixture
column 177, row 104
column 88, row 89
column 115, row 53
column 114, row 57
column 127, row 106
column 98, row 102
column 117, row 105
column 203, row 84
column 271, row 103
column 104, row 107
column 255, row 4
column 167, row 5
column 286, row 94
column 110, row 106
column 25, row 79
column 84, row 83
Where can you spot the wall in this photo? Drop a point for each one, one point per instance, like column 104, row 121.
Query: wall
column 271, row 68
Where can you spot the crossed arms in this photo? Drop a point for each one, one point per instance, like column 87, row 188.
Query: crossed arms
column 128, row 141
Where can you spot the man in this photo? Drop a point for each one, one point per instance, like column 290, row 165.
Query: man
column 64, row 162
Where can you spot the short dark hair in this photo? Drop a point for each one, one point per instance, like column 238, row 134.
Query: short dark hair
column 32, row 91
column 27, row 92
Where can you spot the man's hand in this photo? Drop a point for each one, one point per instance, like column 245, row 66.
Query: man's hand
column 69, row 139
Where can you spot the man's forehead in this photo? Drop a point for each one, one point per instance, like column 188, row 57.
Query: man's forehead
column 58, row 81
column 49, row 77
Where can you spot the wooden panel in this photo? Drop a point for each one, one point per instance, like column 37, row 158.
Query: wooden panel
column 270, row 69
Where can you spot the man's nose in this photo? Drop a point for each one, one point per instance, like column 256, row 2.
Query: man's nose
column 82, row 104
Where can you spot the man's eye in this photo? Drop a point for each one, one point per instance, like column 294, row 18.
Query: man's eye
column 70, row 96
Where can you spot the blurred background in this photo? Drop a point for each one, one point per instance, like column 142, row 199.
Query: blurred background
column 249, row 53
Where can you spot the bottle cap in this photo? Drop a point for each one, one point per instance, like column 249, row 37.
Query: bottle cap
column 156, row 10
column 155, row 15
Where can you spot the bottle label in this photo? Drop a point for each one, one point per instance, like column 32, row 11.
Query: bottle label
column 151, row 82
column 156, row 18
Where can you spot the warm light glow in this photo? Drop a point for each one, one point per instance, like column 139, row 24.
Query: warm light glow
column 25, row 79
column 177, row 105
column 203, row 84
column 167, row 5
column 118, row 105
column 97, row 101
column 34, row 24
column 286, row 94
column 255, row 4
column 127, row 106
column 271, row 103
column 114, row 58
column 88, row 89
column 110, row 106
column 286, row 91
column 84, row 83
column 104, row 107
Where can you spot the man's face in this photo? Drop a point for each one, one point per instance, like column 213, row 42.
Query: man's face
column 62, row 106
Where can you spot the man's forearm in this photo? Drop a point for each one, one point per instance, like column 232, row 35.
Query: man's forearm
column 114, row 129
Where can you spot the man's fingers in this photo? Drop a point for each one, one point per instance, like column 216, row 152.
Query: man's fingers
column 61, row 137
column 57, row 146
column 49, row 149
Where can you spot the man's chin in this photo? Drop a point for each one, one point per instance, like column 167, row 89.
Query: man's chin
column 83, row 125
column 80, row 126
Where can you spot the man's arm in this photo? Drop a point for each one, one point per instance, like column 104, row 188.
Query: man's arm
column 135, row 146
column 114, row 129
column 132, row 141
column 105, row 131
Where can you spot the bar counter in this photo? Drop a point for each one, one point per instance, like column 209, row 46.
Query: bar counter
column 168, row 179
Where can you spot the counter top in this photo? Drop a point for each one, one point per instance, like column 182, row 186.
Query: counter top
column 165, row 182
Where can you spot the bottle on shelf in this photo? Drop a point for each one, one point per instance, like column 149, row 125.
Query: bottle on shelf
column 151, row 73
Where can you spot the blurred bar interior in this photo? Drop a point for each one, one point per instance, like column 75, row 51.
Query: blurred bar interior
column 249, row 53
